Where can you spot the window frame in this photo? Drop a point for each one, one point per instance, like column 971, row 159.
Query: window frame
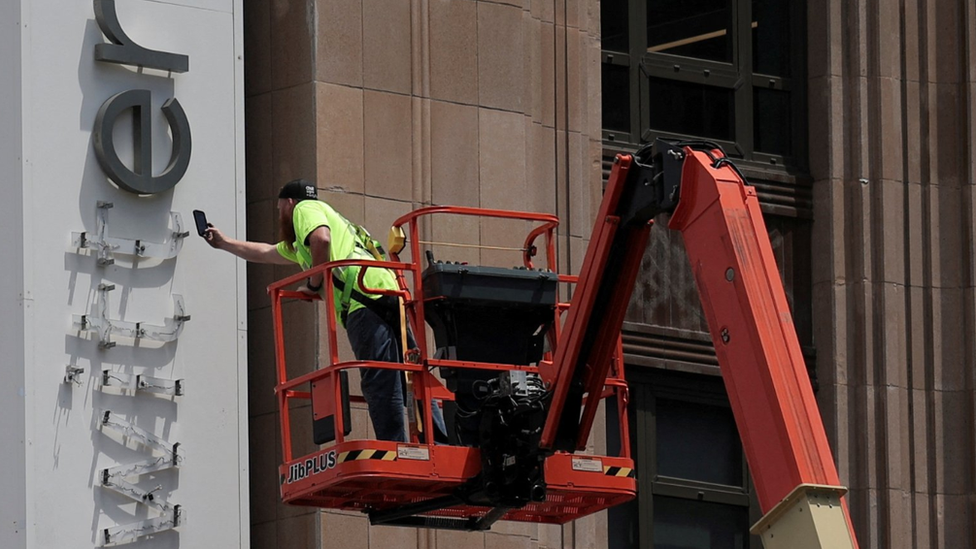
column 646, row 386
column 737, row 76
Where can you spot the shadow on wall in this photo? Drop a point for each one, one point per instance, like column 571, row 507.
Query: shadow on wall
column 143, row 287
column 156, row 414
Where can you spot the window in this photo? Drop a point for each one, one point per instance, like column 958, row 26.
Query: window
column 726, row 70
column 694, row 488
column 733, row 72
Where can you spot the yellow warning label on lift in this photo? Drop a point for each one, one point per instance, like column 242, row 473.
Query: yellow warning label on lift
column 354, row 455
column 618, row 471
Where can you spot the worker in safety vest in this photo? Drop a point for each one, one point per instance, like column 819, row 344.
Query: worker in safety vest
column 312, row 233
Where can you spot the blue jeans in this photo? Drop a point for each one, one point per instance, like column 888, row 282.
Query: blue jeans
column 374, row 340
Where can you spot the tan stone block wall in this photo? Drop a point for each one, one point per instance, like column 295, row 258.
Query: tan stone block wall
column 390, row 105
column 892, row 149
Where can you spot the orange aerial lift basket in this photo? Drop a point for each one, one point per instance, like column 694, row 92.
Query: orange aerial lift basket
column 494, row 332
column 522, row 410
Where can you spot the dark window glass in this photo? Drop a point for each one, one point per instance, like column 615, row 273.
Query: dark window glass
column 616, row 97
column 623, row 520
column 691, row 109
column 693, row 28
column 771, row 37
column 691, row 524
column 698, row 442
column 613, row 25
column 772, row 121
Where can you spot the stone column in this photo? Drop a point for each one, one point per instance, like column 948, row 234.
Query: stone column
column 892, row 146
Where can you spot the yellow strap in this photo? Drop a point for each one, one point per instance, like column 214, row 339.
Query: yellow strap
column 403, row 328
column 479, row 246
column 372, row 249
column 415, row 417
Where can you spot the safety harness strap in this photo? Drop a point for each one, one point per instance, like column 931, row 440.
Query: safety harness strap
column 345, row 281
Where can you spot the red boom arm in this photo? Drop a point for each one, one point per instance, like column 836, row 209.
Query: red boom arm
column 747, row 313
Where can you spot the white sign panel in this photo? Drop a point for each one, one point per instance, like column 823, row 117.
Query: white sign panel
column 123, row 384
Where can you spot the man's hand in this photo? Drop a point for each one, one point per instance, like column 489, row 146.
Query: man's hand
column 214, row 237
column 308, row 291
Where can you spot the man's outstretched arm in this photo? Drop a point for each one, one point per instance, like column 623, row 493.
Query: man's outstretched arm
column 319, row 242
column 257, row 252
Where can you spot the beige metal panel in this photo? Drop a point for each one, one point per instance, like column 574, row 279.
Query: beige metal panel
column 811, row 517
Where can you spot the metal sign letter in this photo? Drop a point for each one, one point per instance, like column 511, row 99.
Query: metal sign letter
column 140, row 180
column 124, row 51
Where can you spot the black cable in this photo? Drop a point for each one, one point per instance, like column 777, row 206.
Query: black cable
column 726, row 160
column 707, row 147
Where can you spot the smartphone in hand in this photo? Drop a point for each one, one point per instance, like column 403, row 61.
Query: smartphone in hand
column 201, row 220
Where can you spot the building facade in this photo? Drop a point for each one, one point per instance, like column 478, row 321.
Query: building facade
column 394, row 104
column 856, row 122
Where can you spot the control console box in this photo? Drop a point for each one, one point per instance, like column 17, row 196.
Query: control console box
column 490, row 314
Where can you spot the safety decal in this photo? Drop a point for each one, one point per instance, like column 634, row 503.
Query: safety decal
column 588, row 465
column 618, row 471
column 418, row 453
column 354, row 455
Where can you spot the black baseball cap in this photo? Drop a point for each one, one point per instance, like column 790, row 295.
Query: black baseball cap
column 299, row 189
